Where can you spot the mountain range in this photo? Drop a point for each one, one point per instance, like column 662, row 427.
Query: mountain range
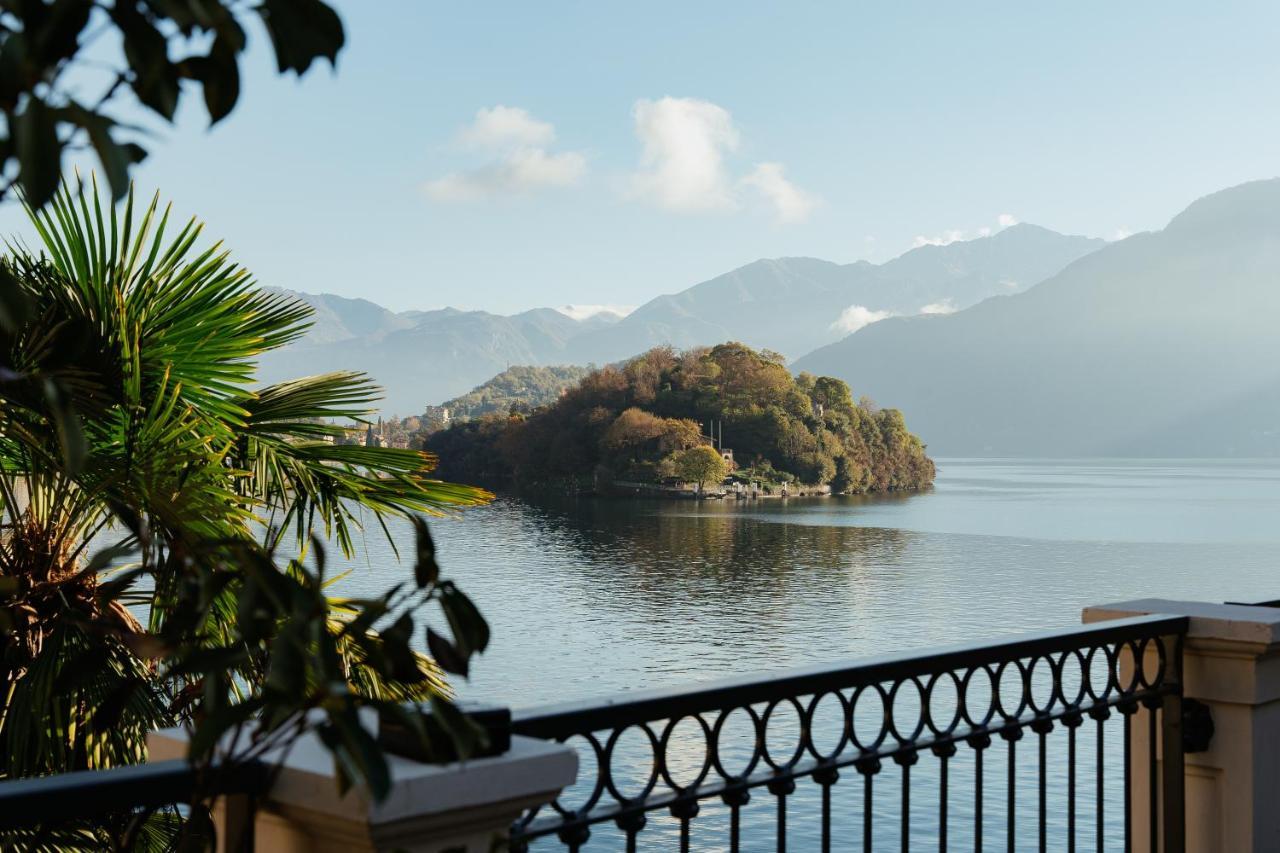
column 1162, row 344
column 790, row 305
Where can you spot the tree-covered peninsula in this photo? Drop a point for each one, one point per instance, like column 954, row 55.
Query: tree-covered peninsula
column 636, row 422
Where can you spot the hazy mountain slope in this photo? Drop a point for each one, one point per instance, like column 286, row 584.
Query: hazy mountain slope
column 1164, row 344
column 788, row 304
column 338, row 318
column 443, row 354
column 793, row 305
column 523, row 385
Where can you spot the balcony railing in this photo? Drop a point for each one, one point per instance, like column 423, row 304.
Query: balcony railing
column 932, row 739
column 667, row 753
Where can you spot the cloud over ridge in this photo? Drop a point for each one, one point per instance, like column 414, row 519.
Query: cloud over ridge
column 523, row 165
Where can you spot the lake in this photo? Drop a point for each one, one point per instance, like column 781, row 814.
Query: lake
column 589, row 597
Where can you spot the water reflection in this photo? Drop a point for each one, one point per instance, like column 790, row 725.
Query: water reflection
column 589, row 598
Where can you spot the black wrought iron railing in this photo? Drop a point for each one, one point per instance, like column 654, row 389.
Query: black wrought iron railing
column 932, row 740
column 36, row 813
column 653, row 763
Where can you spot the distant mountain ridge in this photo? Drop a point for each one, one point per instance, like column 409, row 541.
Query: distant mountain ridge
column 791, row 305
column 1163, row 344
column 795, row 305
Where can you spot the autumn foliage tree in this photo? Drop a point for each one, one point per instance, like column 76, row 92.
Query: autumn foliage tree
column 627, row 421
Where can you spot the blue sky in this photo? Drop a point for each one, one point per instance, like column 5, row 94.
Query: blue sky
column 642, row 148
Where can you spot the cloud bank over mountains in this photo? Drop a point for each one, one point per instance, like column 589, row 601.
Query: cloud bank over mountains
column 520, row 160
column 956, row 235
column 686, row 149
column 685, row 145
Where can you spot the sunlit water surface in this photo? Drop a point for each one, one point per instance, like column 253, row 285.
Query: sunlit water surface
column 592, row 597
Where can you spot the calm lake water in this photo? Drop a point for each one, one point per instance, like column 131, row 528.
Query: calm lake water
column 591, row 597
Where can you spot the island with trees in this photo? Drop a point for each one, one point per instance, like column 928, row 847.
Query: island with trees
column 693, row 420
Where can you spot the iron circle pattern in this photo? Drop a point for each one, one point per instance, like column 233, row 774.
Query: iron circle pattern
column 956, row 713
column 883, row 728
column 664, row 743
column 893, row 711
column 1076, row 700
column 756, row 747
column 998, row 694
column 1047, row 661
column 1128, row 689
column 845, row 711
column 800, row 736
column 654, row 769
column 1108, row 686
column 596, row 792
column 966, row 707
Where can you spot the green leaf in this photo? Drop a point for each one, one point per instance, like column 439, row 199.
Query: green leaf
column 425, row 569
column 107, row 713
column 219, row 76
column 287, row 670
column 155, row 78
column 212, row 727
column 467, row 736
column 446, row 654
column 39, row 151
column 116, row 158
column 302, row 31
column 67, row 424
column 470, row 630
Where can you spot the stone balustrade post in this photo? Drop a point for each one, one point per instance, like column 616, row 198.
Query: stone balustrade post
column 1231, row 664
column 464, row 807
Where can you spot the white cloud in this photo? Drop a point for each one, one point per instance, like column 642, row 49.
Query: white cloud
column 943, row 306
column 855, row 317
column 946, row 238
column 521, row 171
column 790, row 203
column 956, row 235
column 583, row 312
column 682, row 161
column 1009, row 283
column 523, row 164
column 501, row 127
column 1121, row 233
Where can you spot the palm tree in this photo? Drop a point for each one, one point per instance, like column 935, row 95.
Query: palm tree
column 127, row 370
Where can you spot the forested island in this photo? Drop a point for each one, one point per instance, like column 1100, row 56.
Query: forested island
column 703, row 415
column 521, row 388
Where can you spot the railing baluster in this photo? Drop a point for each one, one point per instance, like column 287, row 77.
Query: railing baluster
column 826, row 777
column 1173, row 789
column 1100, row 713
column 1012, row 736
column 868, row 767
column 905, row 760
column 1153, row 778
column 1072, row 722
column 1042, row 727
column 781, row 788
column 979, row 743
column 735, row 799
column 944, row 751
column 631, row 824
column 684, row 811
column 1127, row 710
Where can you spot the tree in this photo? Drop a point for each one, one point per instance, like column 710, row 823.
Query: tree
column 832, row 394
column 127, row 405
column 701, row 465
column 45, row 71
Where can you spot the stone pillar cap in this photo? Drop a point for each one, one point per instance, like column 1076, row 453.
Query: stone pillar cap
column 306, row 779
column 1232, row 623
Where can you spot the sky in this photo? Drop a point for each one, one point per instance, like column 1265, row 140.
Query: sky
column 503, row 156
